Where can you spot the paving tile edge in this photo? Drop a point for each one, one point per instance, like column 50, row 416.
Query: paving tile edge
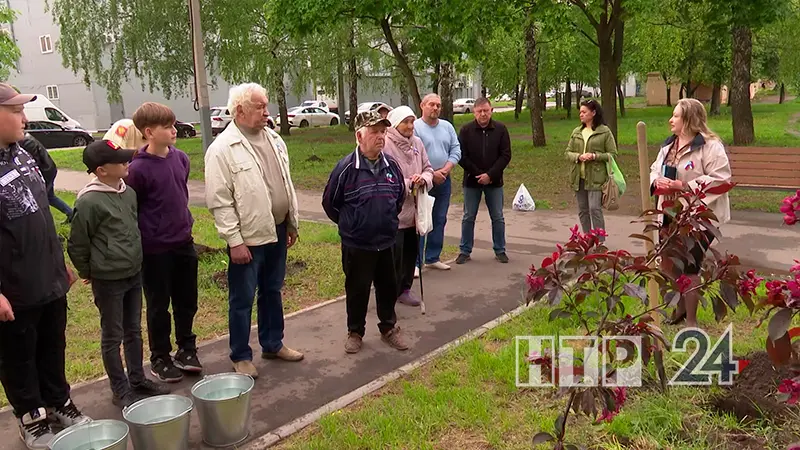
column 283, row 432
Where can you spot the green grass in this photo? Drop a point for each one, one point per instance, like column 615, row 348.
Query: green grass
column 543, row 170
column 467, row 399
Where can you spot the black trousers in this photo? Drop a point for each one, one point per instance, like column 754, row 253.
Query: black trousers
column 405, row 258
column 32, row 357
column 170, row 278
column 120, row 306
column 362, row 269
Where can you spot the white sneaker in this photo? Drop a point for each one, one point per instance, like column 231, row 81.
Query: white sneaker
column 438, row 265
column 34, row 429
column 416, row 272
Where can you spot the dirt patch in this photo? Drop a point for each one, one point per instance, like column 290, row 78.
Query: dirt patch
column 462, row 440
column 205, row 250
column 295, row 267
column 220, row 279
column 752, row 395
column 492, row 346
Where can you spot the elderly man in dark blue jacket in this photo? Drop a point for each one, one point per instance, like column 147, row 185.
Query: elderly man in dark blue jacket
column 364, row 195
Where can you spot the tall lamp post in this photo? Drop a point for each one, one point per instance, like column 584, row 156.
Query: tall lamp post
column 200, row 79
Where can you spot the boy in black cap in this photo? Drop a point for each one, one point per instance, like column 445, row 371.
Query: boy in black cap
column 106, row 249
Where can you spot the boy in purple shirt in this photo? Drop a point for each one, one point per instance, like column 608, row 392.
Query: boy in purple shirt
column 159, row 174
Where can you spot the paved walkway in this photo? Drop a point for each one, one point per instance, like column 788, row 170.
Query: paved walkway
column 458, row 301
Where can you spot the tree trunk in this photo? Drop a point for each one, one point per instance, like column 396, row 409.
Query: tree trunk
column 340, row 103
column 608, row 85
column 402, row 63
column 558, row 99
column 446, row 90
column 782, row 95
column 518, row 101
column 403, row 93
column 532, row 71
column 578, row 94
column 353, row 70
column 621, row 99
column 543, row 97
column 280, row 91
column 716, row 97
column 669, row 89
column 568, row 99
column 484, row 91
column 437, row 77
column 741, row 111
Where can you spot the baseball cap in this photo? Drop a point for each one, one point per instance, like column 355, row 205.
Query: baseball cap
column 369, row 119
column 103, row 152
column 10, row 97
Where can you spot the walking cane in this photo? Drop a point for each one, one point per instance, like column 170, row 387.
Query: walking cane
column 420, row 258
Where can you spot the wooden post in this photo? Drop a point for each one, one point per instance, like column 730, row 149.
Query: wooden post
column 644, row 177
column 652, row 286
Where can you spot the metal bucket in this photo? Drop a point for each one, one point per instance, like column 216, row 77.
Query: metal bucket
column 223, row 403
column 160, row 423
column 94, row 435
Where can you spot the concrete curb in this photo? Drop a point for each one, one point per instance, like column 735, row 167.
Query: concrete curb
column 218, row 338
column 283, row 432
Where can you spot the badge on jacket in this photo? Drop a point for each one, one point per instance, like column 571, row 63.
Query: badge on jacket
column 390, row 178
column 689, row 166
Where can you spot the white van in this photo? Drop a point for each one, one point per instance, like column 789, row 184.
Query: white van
column 42, row 109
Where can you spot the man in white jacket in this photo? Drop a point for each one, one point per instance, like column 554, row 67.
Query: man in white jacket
column 249, row 190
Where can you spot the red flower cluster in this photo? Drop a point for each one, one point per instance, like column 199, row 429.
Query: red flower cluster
column 748, row 285
column 535, row 283
column 541, row 359
column 587, row 240
column 684, row 283
column 790, row 208
column 792, row 388
column 620, row 396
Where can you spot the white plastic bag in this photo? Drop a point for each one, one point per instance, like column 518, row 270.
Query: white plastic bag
column 523, row 200
column 424, row 212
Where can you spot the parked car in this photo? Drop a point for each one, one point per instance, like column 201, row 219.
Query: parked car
column 316, row 104
column 221, row 117
column 366, row 106
column 185, row 130
column 42, row 109
column 305, row 117
column 463, row 105
column 53, row 135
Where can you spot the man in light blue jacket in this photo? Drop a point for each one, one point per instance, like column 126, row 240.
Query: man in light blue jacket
column 444, row 152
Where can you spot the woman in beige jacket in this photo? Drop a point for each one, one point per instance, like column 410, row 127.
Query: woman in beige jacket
column 691, row 156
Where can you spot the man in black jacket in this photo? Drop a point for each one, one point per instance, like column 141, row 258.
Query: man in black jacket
column 364, row 196
column 485, row 153
column 34, row 281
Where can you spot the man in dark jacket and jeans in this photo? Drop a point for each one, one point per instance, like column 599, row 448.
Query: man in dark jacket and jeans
column 34, row 281
column 485, row 153
column 364, row 196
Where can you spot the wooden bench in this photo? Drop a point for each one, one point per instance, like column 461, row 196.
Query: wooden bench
column 765, row 167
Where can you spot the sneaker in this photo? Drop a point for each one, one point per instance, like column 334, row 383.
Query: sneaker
column 68, row 415
column 165, row 370
column 187, row 361
column 150, row 389
column 502, row 257
column 127, row 399
column 462, row 258
column 395, row 339
column 438, row 265
column 353, row 343
column 245, row 367
column 416, row 272
column 408, row 298
column 285, row 353
column 34, row 430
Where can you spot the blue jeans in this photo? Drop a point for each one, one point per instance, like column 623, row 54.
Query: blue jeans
column 266, row 272
column 494, row 203
column 57, row 203
column 432, row 250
